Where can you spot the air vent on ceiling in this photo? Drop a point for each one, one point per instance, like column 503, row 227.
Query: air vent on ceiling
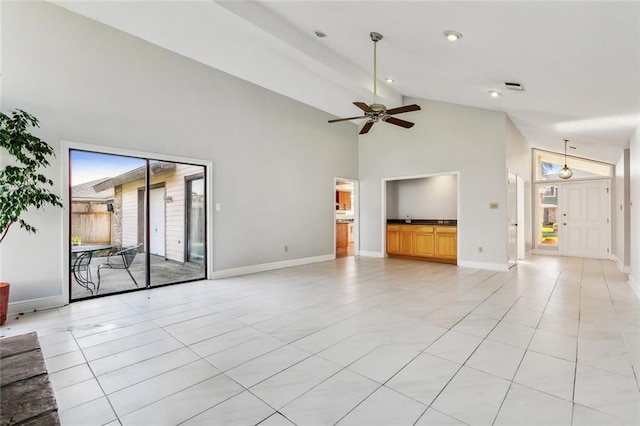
column 514, row 86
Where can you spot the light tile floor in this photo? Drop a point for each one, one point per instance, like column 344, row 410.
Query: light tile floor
column 356, row 341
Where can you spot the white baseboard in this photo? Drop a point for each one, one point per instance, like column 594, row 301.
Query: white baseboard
column 483, row 265
column 251, row 269
column 546, row 252
column 40, row 304
column 371, row 254
column 623, row 269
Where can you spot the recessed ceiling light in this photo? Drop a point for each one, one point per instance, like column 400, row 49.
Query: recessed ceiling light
column 452, row 35
column 494, row 94
column 389, row 80
column 319, row 34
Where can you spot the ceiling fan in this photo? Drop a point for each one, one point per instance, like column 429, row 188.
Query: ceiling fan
column 376, row 112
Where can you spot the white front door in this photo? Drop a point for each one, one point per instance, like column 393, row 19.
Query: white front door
column 585, row 227
column 156, row 221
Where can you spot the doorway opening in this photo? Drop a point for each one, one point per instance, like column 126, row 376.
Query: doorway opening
column 345, row 217
column 515, row 219
column 420, row 217
column 572, row 217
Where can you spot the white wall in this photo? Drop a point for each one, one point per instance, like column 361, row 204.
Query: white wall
column 433, row 197
column 446, row 138
column 274, row 159
column 634, row 200
column 519, row 161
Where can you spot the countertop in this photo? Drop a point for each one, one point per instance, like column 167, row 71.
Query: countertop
column 440, row 222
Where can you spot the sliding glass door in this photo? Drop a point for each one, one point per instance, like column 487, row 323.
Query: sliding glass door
column 135, row 223
column 176, row 222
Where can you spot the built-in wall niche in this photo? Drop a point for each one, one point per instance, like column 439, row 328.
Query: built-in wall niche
column 433, row 197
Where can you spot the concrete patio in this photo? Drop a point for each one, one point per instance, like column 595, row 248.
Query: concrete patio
column 117, row 280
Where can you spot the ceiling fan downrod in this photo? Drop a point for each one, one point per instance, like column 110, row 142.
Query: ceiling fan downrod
column 375, row 37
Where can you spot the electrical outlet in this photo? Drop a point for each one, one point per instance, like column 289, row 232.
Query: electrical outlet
column 480, row 249
column 286, row 248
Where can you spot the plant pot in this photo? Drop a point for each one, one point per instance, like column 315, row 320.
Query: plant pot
column 4, row 302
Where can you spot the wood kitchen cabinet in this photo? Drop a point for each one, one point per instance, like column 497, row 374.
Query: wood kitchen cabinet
column 393, row 239
column 424, row 238
column 406, row 240
column 343, row 200
column 342, row 235
column 426, row 242
column 446, row 242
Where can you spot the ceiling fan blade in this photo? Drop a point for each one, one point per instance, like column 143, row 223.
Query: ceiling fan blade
column 402, row 109
column 363, row 106
column 346, row 119
column 398, row 122
column 366, row 127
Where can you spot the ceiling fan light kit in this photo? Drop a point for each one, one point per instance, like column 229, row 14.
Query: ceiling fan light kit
column 379, row 112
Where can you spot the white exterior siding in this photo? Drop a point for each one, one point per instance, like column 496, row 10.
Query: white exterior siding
column 130, row 212
column 174, row 184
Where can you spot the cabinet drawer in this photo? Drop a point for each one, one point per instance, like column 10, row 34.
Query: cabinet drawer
column 446, row 229
column 423, row 229
column 393, row 228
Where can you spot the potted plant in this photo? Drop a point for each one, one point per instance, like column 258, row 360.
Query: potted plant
column 22, row 186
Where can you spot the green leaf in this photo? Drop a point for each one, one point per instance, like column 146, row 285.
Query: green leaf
column 21, row 186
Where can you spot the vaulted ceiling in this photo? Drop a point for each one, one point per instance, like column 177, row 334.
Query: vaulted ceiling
column 579, row 62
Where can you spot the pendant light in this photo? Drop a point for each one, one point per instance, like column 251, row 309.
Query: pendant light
column 565, row 172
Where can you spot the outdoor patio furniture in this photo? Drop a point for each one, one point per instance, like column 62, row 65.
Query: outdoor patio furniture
column 81, row 256
column 82, row 271
column 122, row 259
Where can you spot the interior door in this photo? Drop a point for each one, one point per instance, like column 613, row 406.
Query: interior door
column 512, row 219
column 156, row 221
column 586, row 208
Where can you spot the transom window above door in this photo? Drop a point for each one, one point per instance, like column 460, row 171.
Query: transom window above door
column 548, row 164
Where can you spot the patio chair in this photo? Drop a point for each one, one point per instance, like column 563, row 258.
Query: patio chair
column 82, row 271
column 121, row 259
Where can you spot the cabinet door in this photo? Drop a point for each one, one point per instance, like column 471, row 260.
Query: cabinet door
column 446, row 242
column 393, row 240
column 406, row 240
column 424, row 241
column 344, row 200
column 342, row 235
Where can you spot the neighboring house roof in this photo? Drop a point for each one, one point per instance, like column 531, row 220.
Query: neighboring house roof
column 157, row 167
column 87, row 191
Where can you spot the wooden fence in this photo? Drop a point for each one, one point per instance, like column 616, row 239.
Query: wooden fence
column 91, row 227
